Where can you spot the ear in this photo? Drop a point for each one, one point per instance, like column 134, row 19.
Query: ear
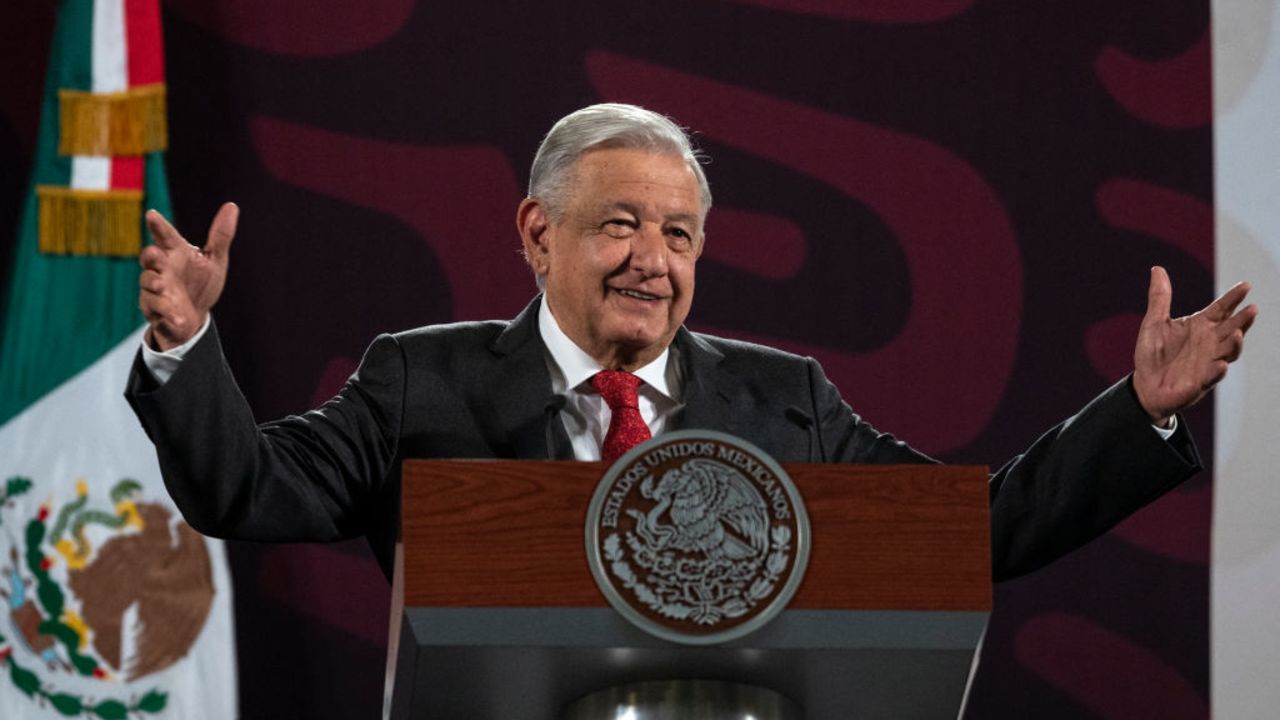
column 533, row 224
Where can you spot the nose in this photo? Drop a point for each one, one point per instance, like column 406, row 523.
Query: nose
column 649, row 251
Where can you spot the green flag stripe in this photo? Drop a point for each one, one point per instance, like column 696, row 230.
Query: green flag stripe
column 61, row 313
column 71, row 54
column 70, row 66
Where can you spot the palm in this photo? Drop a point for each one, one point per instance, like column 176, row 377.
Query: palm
column 202, row 280
column 180, row 282
column 1178, row 360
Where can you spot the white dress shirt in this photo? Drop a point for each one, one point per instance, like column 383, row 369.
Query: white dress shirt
column 164, row 364
column 585, row 414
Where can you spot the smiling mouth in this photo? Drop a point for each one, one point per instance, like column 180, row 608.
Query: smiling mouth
column 637, row 294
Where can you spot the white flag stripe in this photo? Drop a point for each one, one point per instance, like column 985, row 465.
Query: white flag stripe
column 110, row 70
column 84, row 430
column 110, row 73
column 90, row 172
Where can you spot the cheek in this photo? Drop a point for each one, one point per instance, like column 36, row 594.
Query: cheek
column 575, row 274
column 588, row 267
column 682, row 278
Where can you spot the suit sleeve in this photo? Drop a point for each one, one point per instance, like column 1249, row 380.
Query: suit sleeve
column 302, row 478
column 1074, row 483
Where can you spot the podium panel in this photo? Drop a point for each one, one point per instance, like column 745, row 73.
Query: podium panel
column 498, row 616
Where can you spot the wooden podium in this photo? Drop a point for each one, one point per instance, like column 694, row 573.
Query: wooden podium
column 496, row 615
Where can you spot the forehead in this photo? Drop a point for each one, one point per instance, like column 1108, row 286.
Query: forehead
column 642, row 177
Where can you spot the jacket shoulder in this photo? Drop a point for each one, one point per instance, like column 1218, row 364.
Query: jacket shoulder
column 451, row 348
column 741, row 351
column 480, row 332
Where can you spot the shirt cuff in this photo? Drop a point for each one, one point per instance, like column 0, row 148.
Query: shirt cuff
column 162, row 365
column 1166, row 433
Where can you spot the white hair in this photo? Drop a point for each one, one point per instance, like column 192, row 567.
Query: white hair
column 607, row 125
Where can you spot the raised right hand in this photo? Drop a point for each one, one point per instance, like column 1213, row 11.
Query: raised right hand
column 179, row 281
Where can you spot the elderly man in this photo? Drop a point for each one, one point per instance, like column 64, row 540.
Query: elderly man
column 612, row 228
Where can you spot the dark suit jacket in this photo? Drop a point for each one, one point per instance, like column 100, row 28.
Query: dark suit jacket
column 482, row 390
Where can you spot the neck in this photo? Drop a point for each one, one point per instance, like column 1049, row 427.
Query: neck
column 626, row 359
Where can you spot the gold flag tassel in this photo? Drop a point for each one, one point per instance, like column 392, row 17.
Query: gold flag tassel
column 90, row 222
column 131, row 122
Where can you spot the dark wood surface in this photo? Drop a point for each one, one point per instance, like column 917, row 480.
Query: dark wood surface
column 511, row 534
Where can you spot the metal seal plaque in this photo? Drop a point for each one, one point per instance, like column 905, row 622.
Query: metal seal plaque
column 697, row 537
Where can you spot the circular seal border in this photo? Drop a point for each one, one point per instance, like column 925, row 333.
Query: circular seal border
column 620, row 604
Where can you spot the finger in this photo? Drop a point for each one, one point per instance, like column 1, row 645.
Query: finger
column 222, row 230
column 1246, row 317
column 151, row 282
column 154, row 307
column 152, row 258
column 162, row 233
column 1222, row 308
column 1231, row 347
column 1240, row 322
column 1159, row 296
column 1217, row 370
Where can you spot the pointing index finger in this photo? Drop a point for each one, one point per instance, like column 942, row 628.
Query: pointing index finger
column 162, row 233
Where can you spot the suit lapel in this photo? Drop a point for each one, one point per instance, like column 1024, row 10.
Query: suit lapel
column 707, row 390
column 522, row 389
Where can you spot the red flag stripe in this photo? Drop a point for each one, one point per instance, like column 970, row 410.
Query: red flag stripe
column 144, row 63
column 145, row 47
column 126, row 172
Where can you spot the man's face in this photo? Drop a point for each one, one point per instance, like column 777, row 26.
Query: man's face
column 619, row 261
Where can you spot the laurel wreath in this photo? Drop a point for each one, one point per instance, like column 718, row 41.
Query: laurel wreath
column 704, row 613
column 51, row 602
column 71, row 705
column 13, row 487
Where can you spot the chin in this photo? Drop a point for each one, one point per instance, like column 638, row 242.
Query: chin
column 639, row 341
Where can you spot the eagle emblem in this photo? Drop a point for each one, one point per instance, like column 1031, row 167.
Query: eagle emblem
column 697, row 537
column 713, row 510
column 98, row 597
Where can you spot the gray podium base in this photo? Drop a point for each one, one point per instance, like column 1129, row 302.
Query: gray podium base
column 683, row 700
column 532, row 663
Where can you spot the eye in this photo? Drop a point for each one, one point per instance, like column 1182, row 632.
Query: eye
column 619, row 227
column 680, row 236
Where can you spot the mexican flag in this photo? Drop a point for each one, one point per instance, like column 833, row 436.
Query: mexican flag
column 110, row 605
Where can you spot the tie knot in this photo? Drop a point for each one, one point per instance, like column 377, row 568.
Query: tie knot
column 618, row 388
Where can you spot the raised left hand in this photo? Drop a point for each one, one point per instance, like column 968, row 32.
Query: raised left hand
column 1177, row 361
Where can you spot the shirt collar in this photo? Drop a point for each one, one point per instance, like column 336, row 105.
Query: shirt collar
column 575, row 366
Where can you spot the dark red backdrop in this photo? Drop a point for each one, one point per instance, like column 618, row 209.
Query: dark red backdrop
column 952, row 204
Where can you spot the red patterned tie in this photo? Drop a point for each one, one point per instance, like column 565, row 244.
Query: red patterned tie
column 626, row 427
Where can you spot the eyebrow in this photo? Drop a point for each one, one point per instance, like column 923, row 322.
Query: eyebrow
column 634, row 210
column 624, row 206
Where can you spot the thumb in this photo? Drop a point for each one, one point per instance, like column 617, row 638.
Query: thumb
column 222, row 231
column 1159, row 296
